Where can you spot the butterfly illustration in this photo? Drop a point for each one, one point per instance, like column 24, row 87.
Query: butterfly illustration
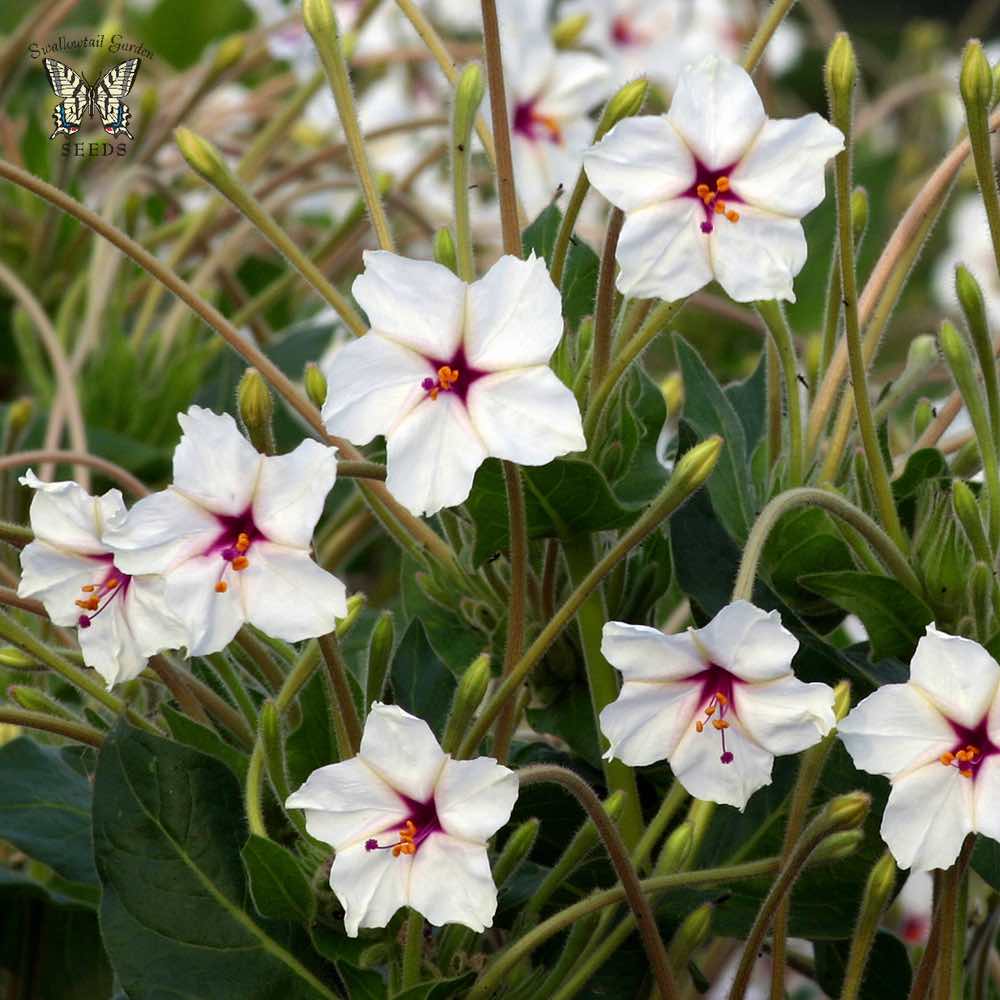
column 106, row 98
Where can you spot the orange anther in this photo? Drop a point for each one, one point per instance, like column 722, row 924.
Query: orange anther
column 91, row 603
column 221, row 587
column 82, row 604
column 701, row 190
column 722, row 184
column 946, row 758
column 720, row 723
column 111, row 584
column 733, row 216
column 242, row 542
column 88, row 588
column 240, row 563
column 720, row 208
column 966, row 772
column 721, row 698
column 710, row 710
column 699, row 727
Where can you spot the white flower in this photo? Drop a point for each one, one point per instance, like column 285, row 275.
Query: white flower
column 549, row 97
column 658, row 38
column 969, row 244
column 936, row 738
column 232, row 537
column 713, row 190
column 452, row 373
column 409, row 825
column 122, row 619
column 719, row 703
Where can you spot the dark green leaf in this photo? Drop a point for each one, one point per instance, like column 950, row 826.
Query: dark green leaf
column 421, row 683
column 570, row 716
column 45, row 809
column 986, row 861
column 441, row 989
column 887, row 974
column 168, row 828
column 194, row 734
column 749, row 400
column 643, row 415
column 313, row 744
column 893, row 617
column 363, row 984
column 278, row 886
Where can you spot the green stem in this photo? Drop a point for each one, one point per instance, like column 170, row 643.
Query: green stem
column 602, row 682
column 977, row 118
column 605, row 301
column 413, row 950
column 877, row 896
column 834, row 504
column 321, row 22
column 345, row 714
column 467, row 98
column 226, row 672
column 560, row 250
column 781, row 335
column 773, row 385
column 669, row 807
column 842, row 118
column 78, row 731
column 692, row 470
column 17, row 535
column 655, row 323
column 770, row 24
column 255, row 789
column 495, row 974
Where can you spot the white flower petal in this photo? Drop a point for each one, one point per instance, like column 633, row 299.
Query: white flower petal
column 986, row 795
column 717, row 111
column 372, row 382
column 643, row 653
column 749, row 642
column 515, row 316
column 287, row 596
column 784, row 715
column 662, row 251
column 474, row 798
column 646, row 721
column 542, row 168
column 371, row 886
column 894, row 729
column 784, row 170
column 526, row 415
column 55, row 577
column 291, row 491
column 640, row 162
column 210, row 619
column 110, row 647
column 577, row 81
column 957, row 674
column 451, row 883
column 160, row 531
column 927, row 817
column 528, row 52
column 67, row 516
column 346, row 803
column 417, row 303
column 697, row 766
column 150, row 620
column 432, row 456
column 759, row 256
column 214, row 464
column 402, row 749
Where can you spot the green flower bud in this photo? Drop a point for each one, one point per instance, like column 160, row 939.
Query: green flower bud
column 315, row 384
column 469, row 91
column 626, row 103
column 982, row 585
column 967, row 510
column 970, row 295
column 35, row 700
column 516, row 850
column 15, row 659
column 923, row 414
column 256, row 408
column 469, row 695
column 444, row 250
column 841, row 700
column 379, row 657
column 672, row 388
column 841, row 76
column 373, row 956
column 859, row 213
column 944, row 557
column 676, row 850
column 568, row 31
column 228, row 54
column 696, row 465
column 845, row 812
column 882, row 881
column 837, row 847
column 202, row 157
column 692, row 933
column 319, row 18
column 355, row 605
column 975, row 82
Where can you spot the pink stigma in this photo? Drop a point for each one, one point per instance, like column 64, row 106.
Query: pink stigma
column 83, row 621
column 727, row 757
column 371, row 844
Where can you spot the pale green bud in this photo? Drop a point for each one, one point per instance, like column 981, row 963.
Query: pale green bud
column 923, row 414
column 626, row 103
column 841, row 76
column 848, row 811
column 355, row 605
column 469, row 91
column 444, row 250
column 568, row 31
column 15, row 659
column 692, row 934
column 841, row 700
column 256, row 408
column 202, row 156
column 229, row 53
column 676, row 850
column 469, row 695
column 837, row 847
column 516, row 850
column 315, row 384
column 379, row 657
column 975, row 82
column 860, row 208
column 696, row 465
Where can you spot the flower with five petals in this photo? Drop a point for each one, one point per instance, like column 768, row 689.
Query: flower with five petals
column 719, row 702
column 713, row 190
column 451, row 374
column 937, row 739
column 232, row 537
column 409, row 825
column 122, row 619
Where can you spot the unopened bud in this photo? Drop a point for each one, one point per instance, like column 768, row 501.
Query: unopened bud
column 516, row 850
column 19, row 415
column 469, row 695
column 841, row 75
column 202, row 156
column 672, row 388
column 256, row 408
column 837, row 846
column 846, row 812
column 355, row 605
column 35, row 700
column 379, row 657
column 626, row 103
column 970, row 295
column 228, row 54
column 859, row 213
column 882, row 881
column 315, row 384
column 692, row 933
column 696, row 465
column 923, row 414
column 982, row 585
column 956, row 353
column 967, row 511
column 444, row 250
column 841, row 700
column 373, row 956
column 469, row 91
column 15, row 659
column 975, row 82
column 319, row 18
column 676, row 850
column 568, row 31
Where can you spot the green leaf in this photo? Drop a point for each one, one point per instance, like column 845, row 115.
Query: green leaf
column 564, row 498
column 986, row 861
column 440, row 989
column 168, row 828
column 643, row 414
column 570, row 716
column 749, row 400
column 194, row 734
column 708, row 411
column 45, row 809
column 887, row 974
column 363, row 984
column 421, row 683
column 278, row 886
column 203, row 23
column 313, row 744
column 893, row 617
column 921, row 466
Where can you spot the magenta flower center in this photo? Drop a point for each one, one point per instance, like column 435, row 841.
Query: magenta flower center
column 98, row 595
column 233, row 543
column 454, row 375
column 972, row 747
column 412, row 832
column 624, row 33
column 715, row 192
column 533, row 124
column 717, row 685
